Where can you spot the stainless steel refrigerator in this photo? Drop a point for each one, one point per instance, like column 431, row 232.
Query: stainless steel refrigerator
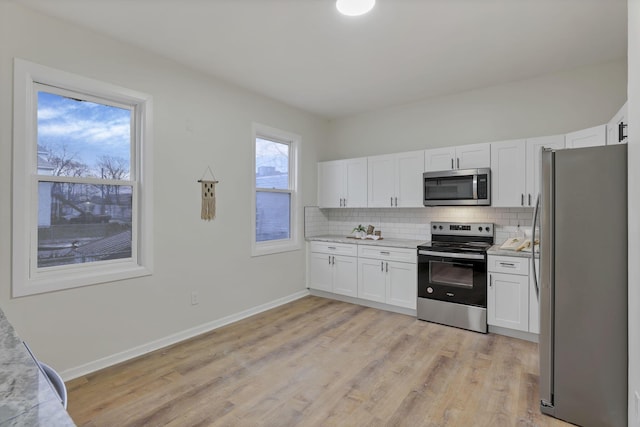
column 583, row 285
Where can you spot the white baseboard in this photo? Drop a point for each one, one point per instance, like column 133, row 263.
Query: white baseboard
column 123, row 356
column 527, row 336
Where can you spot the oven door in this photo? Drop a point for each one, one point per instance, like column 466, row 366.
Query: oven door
column 453, row 277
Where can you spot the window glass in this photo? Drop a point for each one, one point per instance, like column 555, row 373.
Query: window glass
column 79, row 223
column 82, row 222
column 272, row 164
column 272, row 216
column 82, row 138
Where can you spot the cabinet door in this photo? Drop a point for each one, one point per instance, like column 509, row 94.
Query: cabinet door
column 371, row 280
column 381, row 182
column 345, row 275
column 508, row 301
column 534, row 305
column 402, row 284
column 614, row 136
column 408, row 186
column 320, row 272
column 508, row 178
column 355, row 174
column 534, row 158
column 330, row 183
column 473, row 156
column 439, row 159
column 591, row 137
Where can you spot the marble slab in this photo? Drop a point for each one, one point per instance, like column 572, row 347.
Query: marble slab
column 26, row 396
column 495, row 250
column 393, row 243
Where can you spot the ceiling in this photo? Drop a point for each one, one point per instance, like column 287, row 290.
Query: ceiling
column 304, row 53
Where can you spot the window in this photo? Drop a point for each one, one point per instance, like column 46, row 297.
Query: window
column 274, row 219
column 82, row 187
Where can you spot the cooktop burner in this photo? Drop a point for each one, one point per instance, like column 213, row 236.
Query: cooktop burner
column 460, row 237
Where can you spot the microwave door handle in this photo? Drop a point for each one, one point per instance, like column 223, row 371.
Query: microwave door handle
column 475, row 187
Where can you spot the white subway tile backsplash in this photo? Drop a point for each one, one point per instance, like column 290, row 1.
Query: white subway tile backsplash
column 413, row 223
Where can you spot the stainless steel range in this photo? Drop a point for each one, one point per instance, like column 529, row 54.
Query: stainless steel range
column 452, row 275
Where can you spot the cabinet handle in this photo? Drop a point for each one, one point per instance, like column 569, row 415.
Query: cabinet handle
column 621, row 127
column 458, row 162
column 452, row 163
column 507, row 264
column 529, row 199
column 345, row 202
column 396, row 202
column 385, row 253
column 381, row 265
column 391, row 200
column 522, row 199
column 333, row 260
column 329, row 259
column 387, row 267
column 331, row 247
column 490, row 281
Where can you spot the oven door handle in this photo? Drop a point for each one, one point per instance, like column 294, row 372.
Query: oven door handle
column 451, row 255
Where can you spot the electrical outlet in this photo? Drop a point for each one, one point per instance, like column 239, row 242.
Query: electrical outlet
column 194, row 298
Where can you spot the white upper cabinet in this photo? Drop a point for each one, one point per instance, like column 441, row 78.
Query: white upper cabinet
column 515, row 170
column 395, row 180
column 473, row 156
column 590, row 137
column 461, row 157
column 439, row 159
column 534, row 160
column 617, row 127
column 343, row 183
column 508, row 173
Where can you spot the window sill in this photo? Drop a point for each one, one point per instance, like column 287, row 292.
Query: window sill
column 76, row 278
column 274, row 248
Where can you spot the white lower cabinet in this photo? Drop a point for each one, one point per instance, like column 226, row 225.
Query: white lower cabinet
column 511, row 298
column 388, row 275
column 331, row 271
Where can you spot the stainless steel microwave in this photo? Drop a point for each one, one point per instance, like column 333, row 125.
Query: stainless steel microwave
column 458, row 187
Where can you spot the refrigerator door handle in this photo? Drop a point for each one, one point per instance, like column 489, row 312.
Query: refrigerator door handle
column 546, row 339
column 533, row 247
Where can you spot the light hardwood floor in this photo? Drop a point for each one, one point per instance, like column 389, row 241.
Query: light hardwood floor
column 319, row 362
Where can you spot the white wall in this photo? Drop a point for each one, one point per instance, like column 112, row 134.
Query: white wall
column 634, row 208
column 74, row 327
column 546, row 105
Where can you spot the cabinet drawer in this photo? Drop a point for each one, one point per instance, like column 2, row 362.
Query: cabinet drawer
column 387, row 253
column 333, row 248
column 508, row 265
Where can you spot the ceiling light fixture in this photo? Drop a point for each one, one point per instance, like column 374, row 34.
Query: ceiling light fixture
column 354, row 7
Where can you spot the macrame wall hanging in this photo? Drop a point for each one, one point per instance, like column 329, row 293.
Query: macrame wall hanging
column 208, row 211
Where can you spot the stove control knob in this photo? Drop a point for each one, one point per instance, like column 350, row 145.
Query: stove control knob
column 435, row 227
column 479, row 228
column 488, row 229
column 440, row 227
column 429, row 290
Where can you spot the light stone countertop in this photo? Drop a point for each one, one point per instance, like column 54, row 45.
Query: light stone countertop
column 394, row 243
column 495, row 250
column 26, row 397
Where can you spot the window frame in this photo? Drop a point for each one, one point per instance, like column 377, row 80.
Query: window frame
column 293, row 141
column 27, row 278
